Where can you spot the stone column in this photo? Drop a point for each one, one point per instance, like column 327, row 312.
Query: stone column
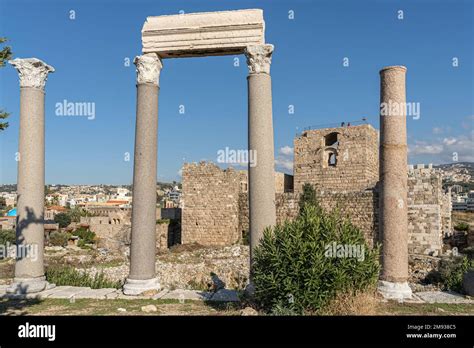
column 393, row 179
column 29, row 267
column 262, row 212
column 142, row 275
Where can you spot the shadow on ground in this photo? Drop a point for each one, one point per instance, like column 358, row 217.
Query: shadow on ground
column 10, row 307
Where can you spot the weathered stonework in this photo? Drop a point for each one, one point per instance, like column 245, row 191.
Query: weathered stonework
column 204, row 33
column 429, row 208
column 29, row 271
column 259, row 58
column 216, row 203
column 429, row 211
column 148, row 68
column 32, row 72
column 361, row 208
column 337, row 159
column 210, row 204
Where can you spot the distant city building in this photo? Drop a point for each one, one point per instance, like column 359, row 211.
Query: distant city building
column 464, row 202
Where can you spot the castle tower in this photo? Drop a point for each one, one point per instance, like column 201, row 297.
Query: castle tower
column 337, row 159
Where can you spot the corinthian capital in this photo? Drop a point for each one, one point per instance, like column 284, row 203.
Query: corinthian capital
column 259, row 58
column 32, row 71
column 148, row 68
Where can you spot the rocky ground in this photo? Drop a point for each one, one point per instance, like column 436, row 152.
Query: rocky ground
column 181, row 267
column 193, row 268
column 205, row 269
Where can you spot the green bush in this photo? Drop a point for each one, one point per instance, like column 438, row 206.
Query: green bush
column 163, row 221
column 85, row 236
column 293, row 272
column 7, row 236
column 308, row 197
column 246, row 237
column 451, row 272
column 62, row 219
column 69, row 276
column 462, row 226
column 58, row 239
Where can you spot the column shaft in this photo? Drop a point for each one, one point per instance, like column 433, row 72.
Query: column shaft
column 143, row 239
column 29, row 266
column 30, row 186
column 393, row 179
column 262, row 212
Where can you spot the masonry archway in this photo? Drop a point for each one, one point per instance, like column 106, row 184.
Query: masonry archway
column 198, row 35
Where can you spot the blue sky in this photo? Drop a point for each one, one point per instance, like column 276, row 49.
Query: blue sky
column 89, row 53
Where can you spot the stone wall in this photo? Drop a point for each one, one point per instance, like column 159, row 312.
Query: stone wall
column 337, row 159
column 286, row 209
column 210, row 204
column 283, row 182
column 361, row 208
column 168, row 233
column 112, row 237
column 216, row 201
column 429, row 211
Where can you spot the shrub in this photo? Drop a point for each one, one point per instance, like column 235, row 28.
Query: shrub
column 163, row 221
column 7, row 236
column 58, row 239
column 293, row 272
column 308, row 197
column 451, row 272
column 62, row 219
column 246, row 237
column 67, row 275
column 462, row 226
column 85, row 236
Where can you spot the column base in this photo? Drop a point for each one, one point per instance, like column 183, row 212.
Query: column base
column 29, row 285
column 394, row 291
column 135, row 287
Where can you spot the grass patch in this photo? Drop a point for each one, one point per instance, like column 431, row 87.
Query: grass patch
column 70, row 276
column 176, row 307
column 109, row 307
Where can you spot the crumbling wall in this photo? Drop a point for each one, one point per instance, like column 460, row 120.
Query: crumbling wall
column 358, row 207
column 355, row 151
column 286, row 209
column 210, row 204
column 429, row 211
column 361, row 208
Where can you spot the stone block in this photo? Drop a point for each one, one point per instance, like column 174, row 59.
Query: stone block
column 203, row 34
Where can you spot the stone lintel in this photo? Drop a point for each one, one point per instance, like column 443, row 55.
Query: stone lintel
column 203, row 34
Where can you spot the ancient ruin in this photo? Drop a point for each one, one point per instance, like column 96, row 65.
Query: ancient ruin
column 368, row 179
column 198, row 35
column 29, row 271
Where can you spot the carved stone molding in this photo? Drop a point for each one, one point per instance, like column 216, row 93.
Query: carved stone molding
column 32, row 72
column 148, row 68
column 259, row 58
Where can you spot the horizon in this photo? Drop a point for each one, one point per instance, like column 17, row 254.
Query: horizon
column 179, row 181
